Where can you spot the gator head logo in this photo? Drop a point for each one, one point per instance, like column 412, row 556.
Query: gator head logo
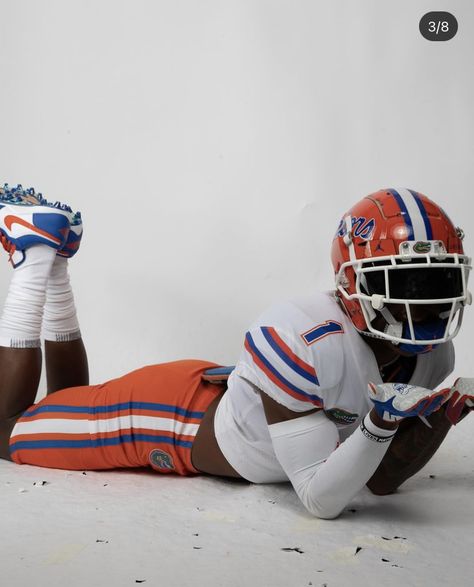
column 161, row 460
column 422, row 247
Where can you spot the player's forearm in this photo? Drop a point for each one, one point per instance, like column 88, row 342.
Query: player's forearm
column 413, row 446
column 326, row 479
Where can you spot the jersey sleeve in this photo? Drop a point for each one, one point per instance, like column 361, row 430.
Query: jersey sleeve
column 324, row 475
column 277, row 360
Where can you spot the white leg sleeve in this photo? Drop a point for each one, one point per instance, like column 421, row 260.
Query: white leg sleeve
column 60, row 322
column 326, row 479
column 20, row 324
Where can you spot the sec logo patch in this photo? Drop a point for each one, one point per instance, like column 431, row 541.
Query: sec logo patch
column 161, row 459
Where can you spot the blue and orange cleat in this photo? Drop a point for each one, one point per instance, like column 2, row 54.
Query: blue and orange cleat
column 73, row 241
column 28, row 219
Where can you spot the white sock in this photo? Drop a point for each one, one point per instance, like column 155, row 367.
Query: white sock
column 20, row 324
column 60, row 322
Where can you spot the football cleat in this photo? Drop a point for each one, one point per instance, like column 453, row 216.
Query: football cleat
column 28, row 219
column 73, row 241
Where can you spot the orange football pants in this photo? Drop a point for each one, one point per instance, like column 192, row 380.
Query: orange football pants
column 148, row 417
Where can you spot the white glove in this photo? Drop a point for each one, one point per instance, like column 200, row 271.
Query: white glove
column 395, row 401
column 461, row 395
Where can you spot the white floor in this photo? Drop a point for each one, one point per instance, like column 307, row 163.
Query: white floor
column 126, row 528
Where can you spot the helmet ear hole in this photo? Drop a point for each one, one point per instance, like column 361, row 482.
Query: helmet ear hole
column 460, row 233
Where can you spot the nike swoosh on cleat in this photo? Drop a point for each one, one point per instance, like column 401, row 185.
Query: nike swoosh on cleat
column 11, row 220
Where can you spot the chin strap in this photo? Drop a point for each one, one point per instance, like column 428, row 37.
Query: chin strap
column 422, row 330
column 393, row 327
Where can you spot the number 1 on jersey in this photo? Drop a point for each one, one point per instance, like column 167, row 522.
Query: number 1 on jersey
column 322, row 330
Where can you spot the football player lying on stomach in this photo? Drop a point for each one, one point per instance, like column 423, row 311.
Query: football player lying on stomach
column 332, row 391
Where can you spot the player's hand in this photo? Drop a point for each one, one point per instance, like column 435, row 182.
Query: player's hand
column 395, row 401
column 460, row 399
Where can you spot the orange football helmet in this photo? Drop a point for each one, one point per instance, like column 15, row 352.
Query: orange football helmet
column 396, row 246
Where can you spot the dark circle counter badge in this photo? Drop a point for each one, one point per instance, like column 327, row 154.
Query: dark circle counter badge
column 161, row 459
column 438, row 26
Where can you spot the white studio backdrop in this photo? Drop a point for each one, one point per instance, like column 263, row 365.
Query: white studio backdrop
column 212, row 147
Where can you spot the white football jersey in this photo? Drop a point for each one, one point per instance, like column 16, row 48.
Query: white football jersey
column 305, row 354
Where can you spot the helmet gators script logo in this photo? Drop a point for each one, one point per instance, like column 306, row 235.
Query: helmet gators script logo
column 361, row 227
column 161, row 460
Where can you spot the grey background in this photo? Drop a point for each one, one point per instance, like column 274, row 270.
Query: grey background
column 212, row 147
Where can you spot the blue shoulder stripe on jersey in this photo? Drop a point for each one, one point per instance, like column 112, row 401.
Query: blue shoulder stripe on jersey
column 288, row 360
column 269, row 368
column 96, row 442
column 405, row 214
column 127, row 406
column 424, row 215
